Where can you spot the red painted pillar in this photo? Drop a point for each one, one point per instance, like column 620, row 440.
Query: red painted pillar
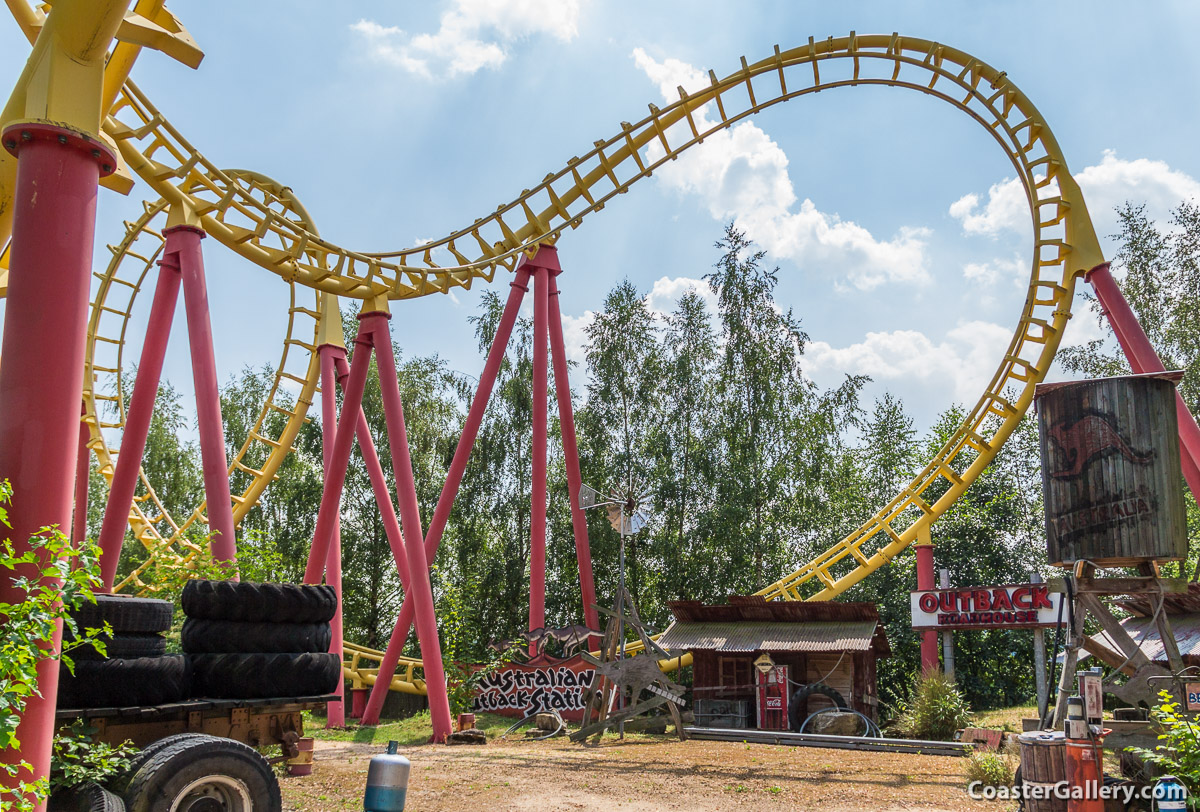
column 358, row 702
column 328, row 515
column 541, row 407
column 335, row 712
column 566, row 415
column 1142, row 359
column 926, row 580
column 410, row 518
column 41, row 387
column 458, row 465
column 82, row 470
column 419, row 587
column 137, row 419
column 185, row 241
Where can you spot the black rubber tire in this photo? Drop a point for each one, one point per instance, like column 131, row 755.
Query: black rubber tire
column 259, row 676
column 796, row 715
column 116, row 683
column 89, row 797
column 232, row 637
column 123, row 647
column 231, row 766
column 125, row 614
column 121, row 784
column 251, row 602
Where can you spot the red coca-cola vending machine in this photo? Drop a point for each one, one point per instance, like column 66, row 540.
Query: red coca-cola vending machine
column 772, row 691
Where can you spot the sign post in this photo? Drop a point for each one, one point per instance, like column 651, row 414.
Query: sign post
column 947, row 637
column 1039, row 661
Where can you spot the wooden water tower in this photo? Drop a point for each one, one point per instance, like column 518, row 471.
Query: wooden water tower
column 1111, row 473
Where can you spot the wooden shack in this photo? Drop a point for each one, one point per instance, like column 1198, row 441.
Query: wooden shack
column 827, row 642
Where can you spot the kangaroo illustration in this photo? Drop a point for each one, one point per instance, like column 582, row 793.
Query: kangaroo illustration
column 1089, row 438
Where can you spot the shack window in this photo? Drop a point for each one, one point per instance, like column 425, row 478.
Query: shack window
column 735, row 672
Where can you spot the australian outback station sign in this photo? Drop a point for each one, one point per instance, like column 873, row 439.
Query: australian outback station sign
column 1014, row 606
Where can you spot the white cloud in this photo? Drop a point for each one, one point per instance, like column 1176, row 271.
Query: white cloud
column 1105, row 186
column 1007, row 210
column 962, row 363
column 742, row 175
column 666, row 292
column 1115, row 180
column 998, row 269
column 575, row 336
column 472, row 35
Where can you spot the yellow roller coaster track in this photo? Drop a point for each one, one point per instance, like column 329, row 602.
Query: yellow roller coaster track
column 1065, row 243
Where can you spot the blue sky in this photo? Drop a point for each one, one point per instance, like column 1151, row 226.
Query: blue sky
column 900, row 244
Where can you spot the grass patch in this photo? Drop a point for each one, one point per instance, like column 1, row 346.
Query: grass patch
column 408, row 732
column 1008, row 719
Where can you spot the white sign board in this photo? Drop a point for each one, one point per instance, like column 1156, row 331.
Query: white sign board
column 1015, row 606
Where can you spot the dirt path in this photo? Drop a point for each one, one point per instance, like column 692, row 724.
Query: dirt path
column 640, row 775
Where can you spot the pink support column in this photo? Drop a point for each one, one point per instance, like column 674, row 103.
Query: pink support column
column 540, row 407
column 410, row 518
column 1144, row 359
column 185, row 241
column 335, row 712
column 458, row 465
column 328, row 514
column 566, row 415
column 79, row 521
column 45, row 329
column 137, row 419
column 926, row 580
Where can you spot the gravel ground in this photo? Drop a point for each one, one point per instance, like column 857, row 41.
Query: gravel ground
column 642, row 774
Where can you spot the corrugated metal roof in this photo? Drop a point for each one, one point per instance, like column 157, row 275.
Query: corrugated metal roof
column 1174, row 603
column 1145, row 634
column 748, row 635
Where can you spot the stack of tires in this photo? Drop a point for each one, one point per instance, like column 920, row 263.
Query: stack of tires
column 134, row 669
column 253, row 641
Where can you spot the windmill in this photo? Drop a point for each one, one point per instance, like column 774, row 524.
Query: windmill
column 628, row 512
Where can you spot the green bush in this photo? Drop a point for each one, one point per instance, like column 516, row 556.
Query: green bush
column 934, row 711
column 990, row 770
column 55, row 579
column 1180, row 754
column 79, row 758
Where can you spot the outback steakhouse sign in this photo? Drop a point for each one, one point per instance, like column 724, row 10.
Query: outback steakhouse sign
column 1016, row 606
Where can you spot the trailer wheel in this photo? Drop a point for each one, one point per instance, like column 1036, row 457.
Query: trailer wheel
column 253, row 602
column 796, row 716
column 202, row 636
column 120, row 785
column 213, row 775
column 89, row 797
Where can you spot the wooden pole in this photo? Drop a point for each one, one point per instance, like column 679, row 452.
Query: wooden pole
column 947, row 636
column 1039, row 661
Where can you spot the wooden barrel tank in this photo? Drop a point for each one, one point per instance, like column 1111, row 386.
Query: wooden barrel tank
column 1043, row 766
column 1111, row 475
